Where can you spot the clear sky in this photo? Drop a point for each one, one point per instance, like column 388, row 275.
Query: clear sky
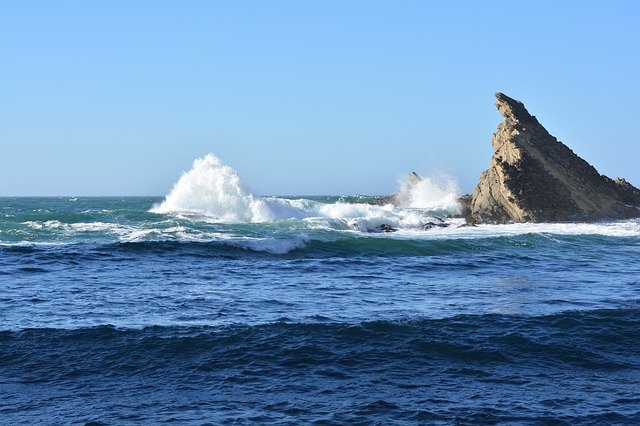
column 301, row 97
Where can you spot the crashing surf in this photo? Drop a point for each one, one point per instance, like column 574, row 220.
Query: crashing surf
column 216, row 192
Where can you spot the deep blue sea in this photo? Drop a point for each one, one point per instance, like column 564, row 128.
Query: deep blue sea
column 291, row 310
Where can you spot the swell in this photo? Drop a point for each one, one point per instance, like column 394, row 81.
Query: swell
column 326, row 245
column 601, row 339
column 572, row 367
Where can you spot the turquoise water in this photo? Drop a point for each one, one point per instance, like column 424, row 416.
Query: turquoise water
column 114, row 312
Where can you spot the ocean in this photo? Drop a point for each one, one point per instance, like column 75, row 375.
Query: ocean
column 215, row 306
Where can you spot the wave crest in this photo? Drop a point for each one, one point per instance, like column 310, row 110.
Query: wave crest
column 435, row 193
column 212, row 188
column 215, row 190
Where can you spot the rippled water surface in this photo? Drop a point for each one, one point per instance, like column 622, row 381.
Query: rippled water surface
column 114, row 311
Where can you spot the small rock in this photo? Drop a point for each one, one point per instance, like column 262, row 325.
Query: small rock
column 430, row 225
column 386, row 228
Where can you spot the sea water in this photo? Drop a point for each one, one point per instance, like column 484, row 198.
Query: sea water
column 214, row 305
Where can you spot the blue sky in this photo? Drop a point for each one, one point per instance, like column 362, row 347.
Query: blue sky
column 326, row 97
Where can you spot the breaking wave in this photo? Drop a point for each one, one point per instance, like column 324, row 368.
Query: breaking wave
column 351, row 372
column 215, row 190
column 436, row 193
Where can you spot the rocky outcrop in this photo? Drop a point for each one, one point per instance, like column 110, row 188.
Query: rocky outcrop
column 399, row 197
column 533, row 177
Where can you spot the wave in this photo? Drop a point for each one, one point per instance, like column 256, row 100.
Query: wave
column 470, row 369
column 481, row 338
column 215, row 190
column 323, row 244
column 335, row 233
column 437, row 193
column 56, row 225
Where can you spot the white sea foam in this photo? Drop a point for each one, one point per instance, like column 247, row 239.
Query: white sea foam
column 458, row 229
column 124, row 233
column 439, row 192
column 150, row 234
column 56, row 225
column 179, row 233
column 215, row 191
column 338, row 228
column 271, row 245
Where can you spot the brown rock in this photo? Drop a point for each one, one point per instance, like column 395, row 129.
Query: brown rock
column 534, row 177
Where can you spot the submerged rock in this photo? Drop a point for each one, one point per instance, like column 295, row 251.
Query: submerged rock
column 533, row 177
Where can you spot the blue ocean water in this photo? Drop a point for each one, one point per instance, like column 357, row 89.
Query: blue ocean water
column 115, row 312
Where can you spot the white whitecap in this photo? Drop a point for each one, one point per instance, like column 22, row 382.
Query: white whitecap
column 214, row 190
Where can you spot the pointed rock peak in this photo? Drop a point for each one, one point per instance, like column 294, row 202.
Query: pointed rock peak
column 511, row 108
column 413, row 178
column 534, row 177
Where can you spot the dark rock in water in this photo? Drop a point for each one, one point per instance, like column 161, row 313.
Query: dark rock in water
column 533, row 177
column 381, row 201
column 402, row 197
column 386, row 228
column 382, row 228
column 465, row 203
column 430, row 225
column 412, row 179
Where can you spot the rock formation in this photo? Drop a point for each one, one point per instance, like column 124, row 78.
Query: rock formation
column 533, row 177
column 399, row 198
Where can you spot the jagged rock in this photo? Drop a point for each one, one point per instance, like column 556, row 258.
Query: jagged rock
column 397, row 199
column 402, row 197
column 534, row 177
column 465, row 208
column 381, row 201
column 412, row 178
